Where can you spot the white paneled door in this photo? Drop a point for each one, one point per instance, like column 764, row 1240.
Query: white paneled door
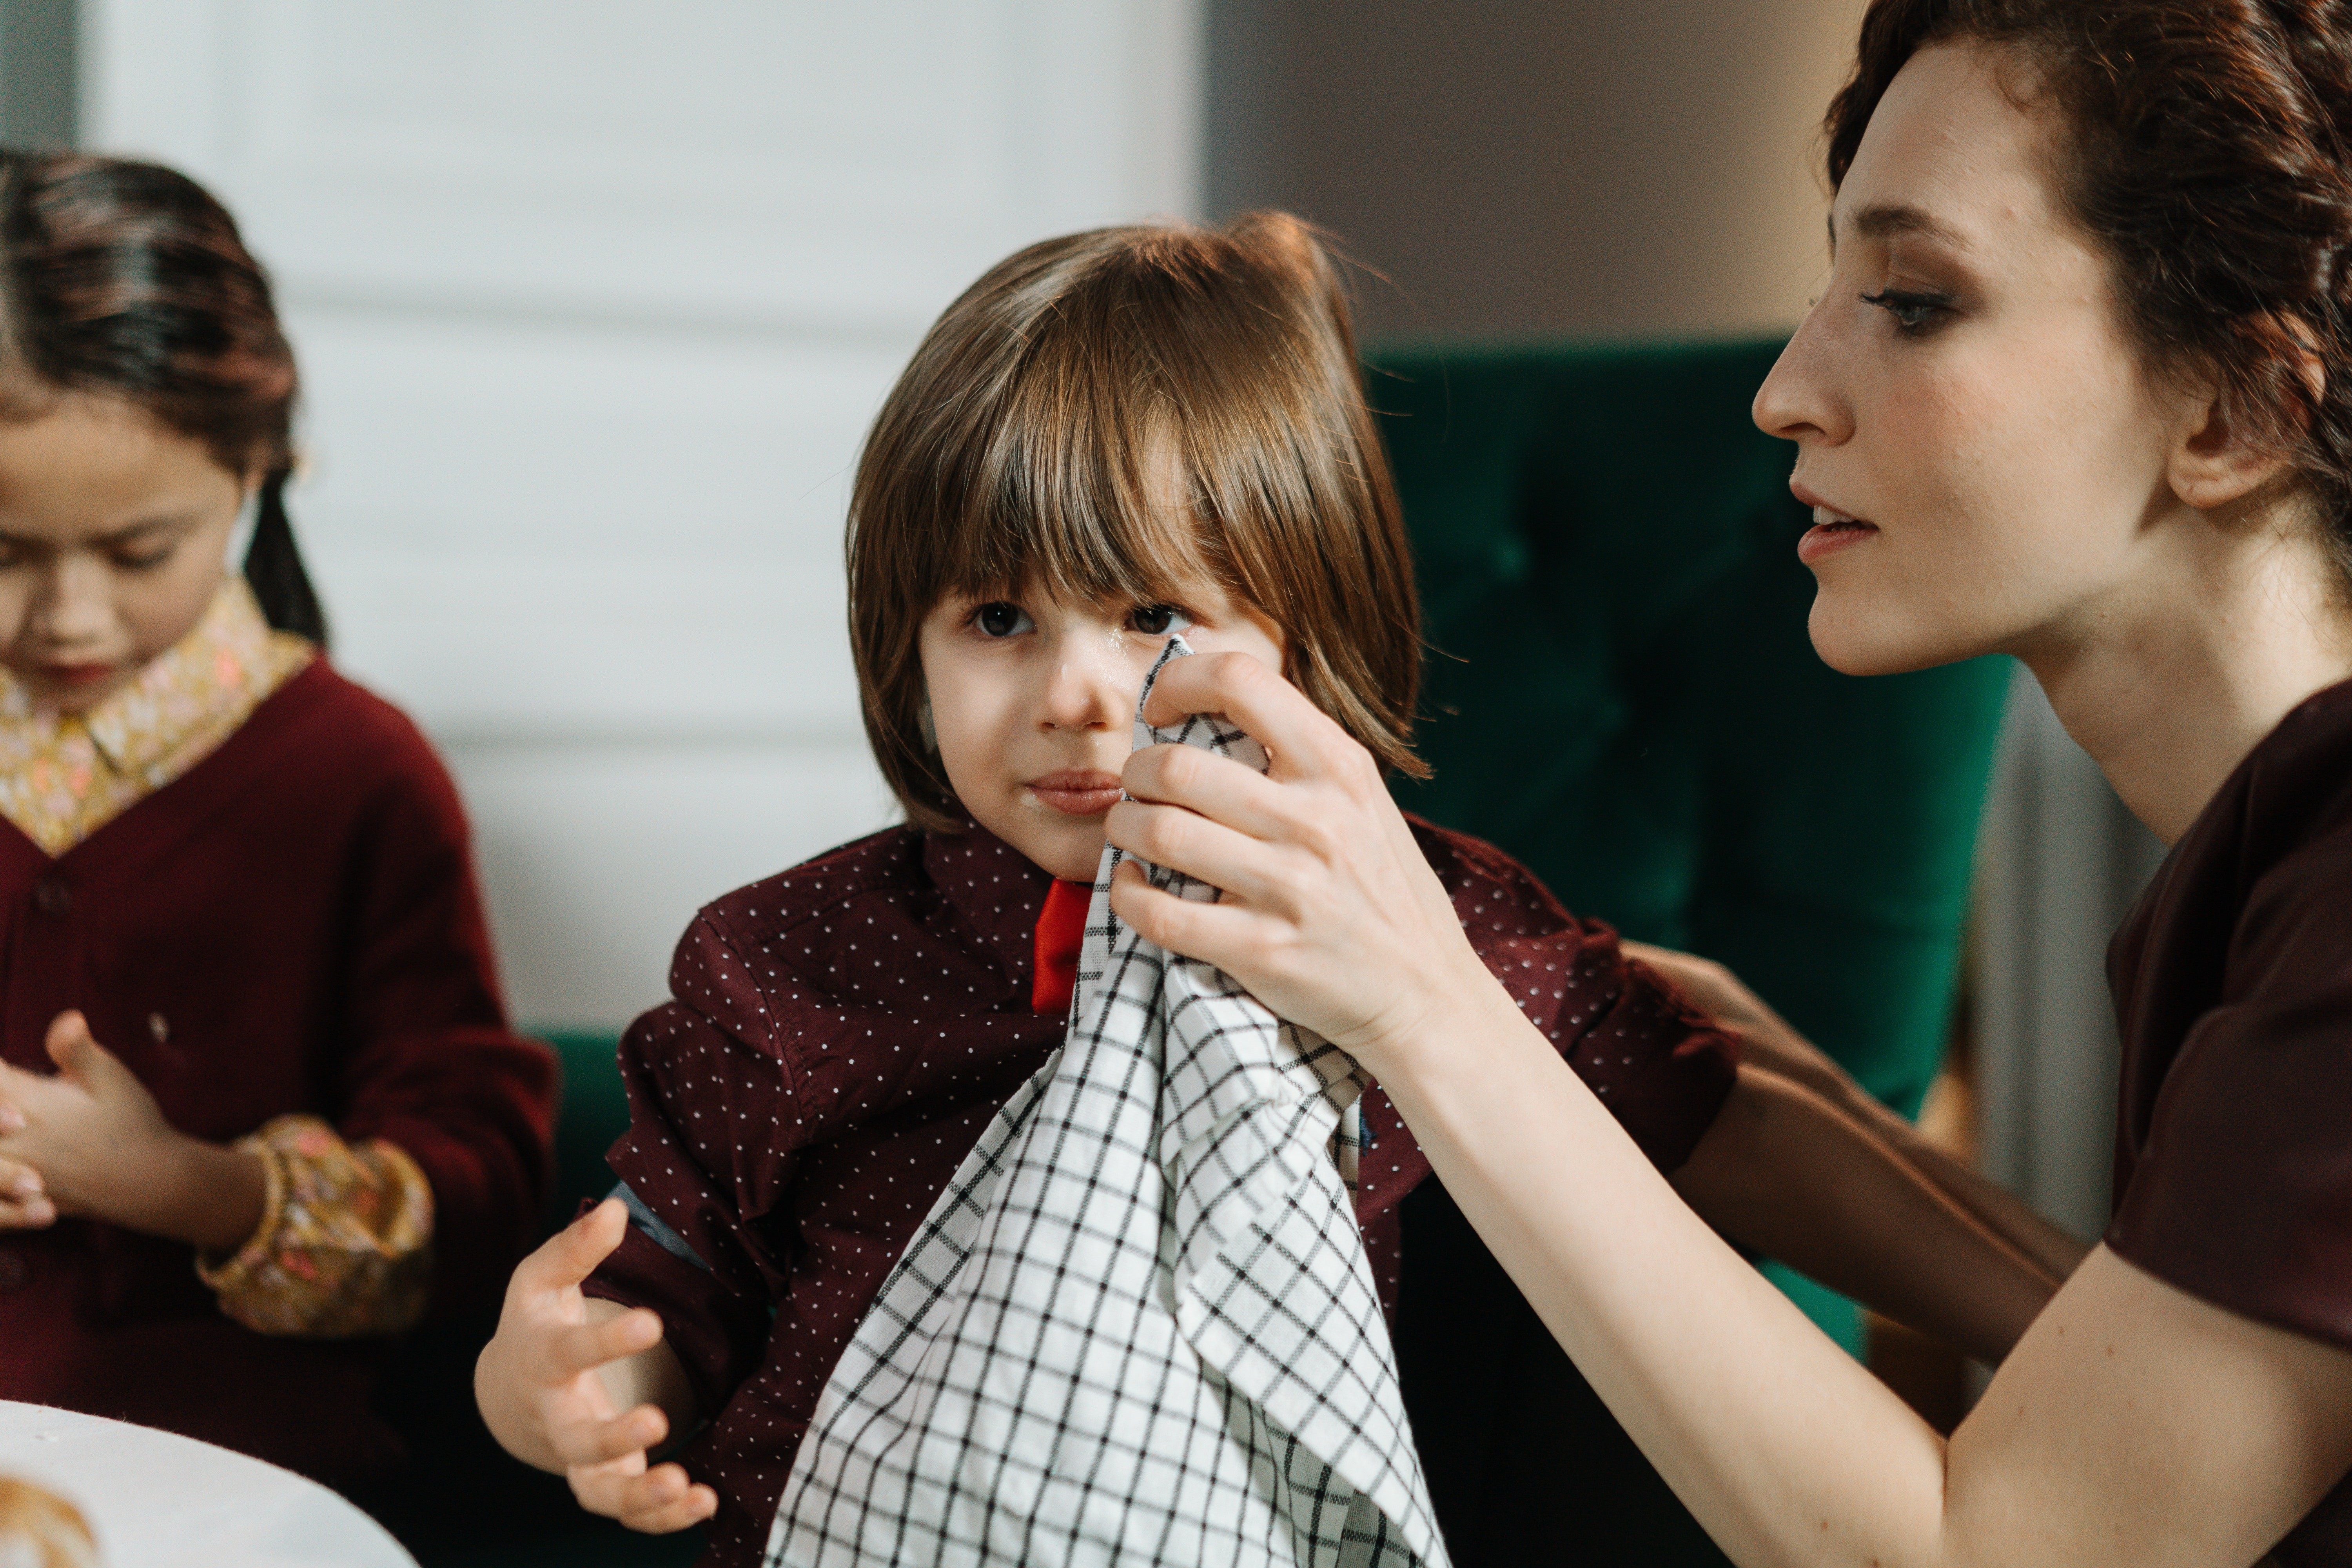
column 594, row 300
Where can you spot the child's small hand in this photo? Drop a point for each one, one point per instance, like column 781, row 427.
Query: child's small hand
column 90, row 1139
column 570, row 1384
column 24, row 1204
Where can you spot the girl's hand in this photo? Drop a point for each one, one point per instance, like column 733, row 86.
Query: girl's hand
column 579, row 1385
column 24, row 1204
column 1330, row 914
column 93, row 1134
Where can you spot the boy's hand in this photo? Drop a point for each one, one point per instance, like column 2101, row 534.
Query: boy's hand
column 1770, row 1042
column 565, row 1384
column 89, row 1140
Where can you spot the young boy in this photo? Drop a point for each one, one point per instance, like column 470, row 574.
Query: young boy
column 1110, row 437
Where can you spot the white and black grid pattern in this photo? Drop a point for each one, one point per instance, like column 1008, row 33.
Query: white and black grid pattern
column 1139, row 1326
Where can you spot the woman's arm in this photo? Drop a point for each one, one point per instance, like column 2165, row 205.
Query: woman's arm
column 1783, row 1173
column 1773, row 1044
column 2132, row 1424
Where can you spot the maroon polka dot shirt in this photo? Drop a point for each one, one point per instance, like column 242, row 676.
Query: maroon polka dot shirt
column 839, row 1036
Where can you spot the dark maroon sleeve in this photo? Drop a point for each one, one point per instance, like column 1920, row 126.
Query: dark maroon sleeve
column 1662, row 1068
column 2242, row 1193
column 701, row 1070
column 431, row 1065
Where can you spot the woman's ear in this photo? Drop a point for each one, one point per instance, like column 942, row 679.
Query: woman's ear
column 2217, row 461
column 2222, row 455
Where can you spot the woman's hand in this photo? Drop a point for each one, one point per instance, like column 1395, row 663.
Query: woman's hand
column 96, row 1145
column 1330, row 914
column 587, row 1387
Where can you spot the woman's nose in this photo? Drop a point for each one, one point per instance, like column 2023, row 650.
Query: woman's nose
column 1800, row 400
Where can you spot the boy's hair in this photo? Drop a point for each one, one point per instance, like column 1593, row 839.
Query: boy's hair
column 1054, row 414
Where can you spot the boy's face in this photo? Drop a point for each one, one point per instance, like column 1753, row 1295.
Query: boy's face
column 1032, row 699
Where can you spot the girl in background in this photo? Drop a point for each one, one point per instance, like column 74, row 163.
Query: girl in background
column 259, row 1104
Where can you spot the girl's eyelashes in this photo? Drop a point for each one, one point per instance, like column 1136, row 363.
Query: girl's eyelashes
column 1159, row 620
column 1916, row 315
column 1000, row 618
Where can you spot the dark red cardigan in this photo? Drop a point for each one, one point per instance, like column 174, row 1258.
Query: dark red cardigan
column 291, row 926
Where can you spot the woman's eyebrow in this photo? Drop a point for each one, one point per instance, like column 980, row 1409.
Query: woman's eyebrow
column 1884, row 220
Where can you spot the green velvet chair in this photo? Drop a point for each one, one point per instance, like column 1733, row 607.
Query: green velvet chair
column 1622, row 694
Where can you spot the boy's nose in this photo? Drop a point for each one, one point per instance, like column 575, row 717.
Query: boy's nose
column 1088, row 689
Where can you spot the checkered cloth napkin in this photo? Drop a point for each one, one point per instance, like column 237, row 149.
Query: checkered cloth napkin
column 1139, row 1327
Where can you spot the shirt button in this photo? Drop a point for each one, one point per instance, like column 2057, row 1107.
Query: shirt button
column 51, row 896
column 14, row 1272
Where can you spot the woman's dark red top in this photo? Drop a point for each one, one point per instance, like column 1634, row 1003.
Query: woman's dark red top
column 2234, row 990
column 298, row 911
column 840, row 1036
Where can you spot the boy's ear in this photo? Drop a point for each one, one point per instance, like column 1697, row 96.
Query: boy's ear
column 923, row 722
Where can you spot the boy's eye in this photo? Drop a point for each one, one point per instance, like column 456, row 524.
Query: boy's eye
column 1001, row 620
column 1159, row 620
column 142, row 560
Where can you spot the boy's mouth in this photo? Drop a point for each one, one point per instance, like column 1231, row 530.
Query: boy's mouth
column 1077, row 791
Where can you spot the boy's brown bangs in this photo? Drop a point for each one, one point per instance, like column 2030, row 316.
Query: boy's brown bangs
column 1060, row 498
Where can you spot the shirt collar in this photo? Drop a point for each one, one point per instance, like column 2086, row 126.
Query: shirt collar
column 222, row 659
column 997, row 890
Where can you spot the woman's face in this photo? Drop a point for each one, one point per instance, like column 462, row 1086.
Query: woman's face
column 1033, row 700
column 1984, row 454
column 113, row 531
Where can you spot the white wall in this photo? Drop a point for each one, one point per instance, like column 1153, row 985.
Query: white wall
column 595, row 298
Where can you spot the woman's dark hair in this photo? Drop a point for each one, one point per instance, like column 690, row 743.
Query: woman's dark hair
column 1110, row 414
column 2207, row 156
column 124, row 280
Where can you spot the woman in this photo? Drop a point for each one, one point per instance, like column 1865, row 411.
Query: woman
column 2079, row 390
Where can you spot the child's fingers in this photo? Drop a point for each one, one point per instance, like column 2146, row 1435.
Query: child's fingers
column 568, row 1351
column 588, row 1444
column 663, row 1501
column 572, row 1254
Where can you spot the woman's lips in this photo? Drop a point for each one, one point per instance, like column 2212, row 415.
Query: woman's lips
column 1832, row 531
column 1077, row 793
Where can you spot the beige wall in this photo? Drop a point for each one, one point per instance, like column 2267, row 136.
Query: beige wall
column 1585, row 167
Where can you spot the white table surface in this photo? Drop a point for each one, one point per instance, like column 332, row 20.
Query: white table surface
column 157, row 1500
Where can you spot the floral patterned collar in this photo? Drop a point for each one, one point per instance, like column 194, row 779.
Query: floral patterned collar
column 64, row 775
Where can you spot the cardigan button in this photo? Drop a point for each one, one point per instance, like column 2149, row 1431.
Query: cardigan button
column 14, row 1272
column 51, row 896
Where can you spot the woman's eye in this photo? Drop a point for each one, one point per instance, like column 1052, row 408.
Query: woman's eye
column 1159, row 620
column 1913, row 313
column 1001, row 620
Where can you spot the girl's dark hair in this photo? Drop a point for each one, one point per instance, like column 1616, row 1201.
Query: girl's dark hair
column 2207, row 156
column 124, row 280
column 1112, row 415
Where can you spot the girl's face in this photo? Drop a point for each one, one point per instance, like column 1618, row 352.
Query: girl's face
column 113, row 531
column 1033, row 699
column 1984, row 454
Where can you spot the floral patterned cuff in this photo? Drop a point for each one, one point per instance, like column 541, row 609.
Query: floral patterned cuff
column 345, row 1246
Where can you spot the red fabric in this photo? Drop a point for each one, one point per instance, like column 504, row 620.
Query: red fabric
column 291, row 926
column 843, row 1033
column 1061, row 931
column 2232, row 979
